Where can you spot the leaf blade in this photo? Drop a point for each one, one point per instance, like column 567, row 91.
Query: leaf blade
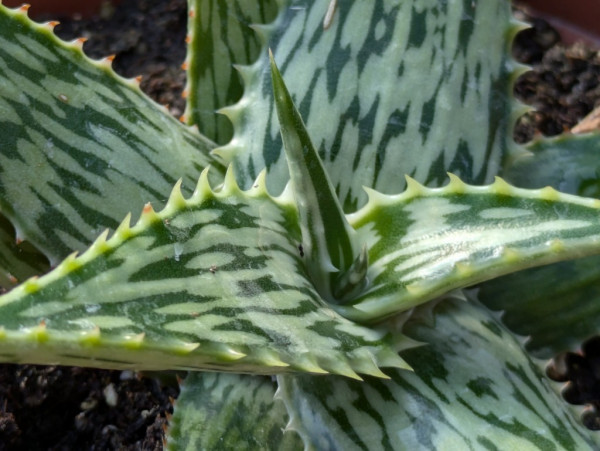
column 212, row 282
column 473, row 387
column 229, row 411
column 555, row 306
column 426, row 242
column 383, row 131
column 90, row 136
column 220, row 37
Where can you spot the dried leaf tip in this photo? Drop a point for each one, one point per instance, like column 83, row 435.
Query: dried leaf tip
column 78, row 42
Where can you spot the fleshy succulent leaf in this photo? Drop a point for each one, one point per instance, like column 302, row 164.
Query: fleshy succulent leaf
column 328, row 240
column 473, row 387
column 212, row 282
column 557, row 306
column 230, row 411
column 428, row 241
column 220, row 36
column 568, row 163
column 18, row 260
column 75, row 135
column 389, row 83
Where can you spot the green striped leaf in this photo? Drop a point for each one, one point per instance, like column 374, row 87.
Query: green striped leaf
column 212, row 282
column 428, row 241
column 327, row 237
column 558, row 305
column 229, row 411
column 568, row 163
column 473, row 387
column 391, row 87
column 80, row 146
column 219, row 37
column 18, row 261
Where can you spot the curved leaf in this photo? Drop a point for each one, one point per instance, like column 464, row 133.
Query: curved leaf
column 80, row 146
column 212, row 282
column 569, row 163
column 558, row 306
column 18, row 261
column 220, row 36
column 426, row 242
column 229, row 411
column 390, row 87
column 473, row 388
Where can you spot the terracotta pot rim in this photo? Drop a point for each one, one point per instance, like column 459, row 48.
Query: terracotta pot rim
column 574, row 20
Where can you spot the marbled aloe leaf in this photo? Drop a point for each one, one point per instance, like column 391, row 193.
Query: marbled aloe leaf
column 326, row 235
column 212, row 282
column 80, row 146
column 229, row 411
column 558, row 306
column 390, row 87
column 568, row 163
column 219, row 37
column 427, row 241
column 18, row 261
column 473, row 387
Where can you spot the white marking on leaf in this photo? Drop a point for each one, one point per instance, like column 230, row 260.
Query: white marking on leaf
column 504, row 213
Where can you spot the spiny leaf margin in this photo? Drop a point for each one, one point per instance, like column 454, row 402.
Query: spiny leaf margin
column 474, row 387
column 81, row 145
column 192, row 287
column 426, row 242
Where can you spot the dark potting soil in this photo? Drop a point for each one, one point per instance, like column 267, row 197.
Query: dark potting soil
column 563, row 87
column 73, row 408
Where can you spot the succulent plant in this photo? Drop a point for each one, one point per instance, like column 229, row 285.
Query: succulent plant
column 305, row 255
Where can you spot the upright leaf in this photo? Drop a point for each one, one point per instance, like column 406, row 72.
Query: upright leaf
column 220, row 36
column 391, row 87
column 327, row 238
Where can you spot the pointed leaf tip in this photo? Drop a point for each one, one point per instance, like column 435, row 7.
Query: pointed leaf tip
column 328, row 239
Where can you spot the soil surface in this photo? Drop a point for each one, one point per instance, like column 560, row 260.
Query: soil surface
column 563, row 87
column 64, row 408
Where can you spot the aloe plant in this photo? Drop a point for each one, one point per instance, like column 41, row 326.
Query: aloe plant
column 306, row 256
